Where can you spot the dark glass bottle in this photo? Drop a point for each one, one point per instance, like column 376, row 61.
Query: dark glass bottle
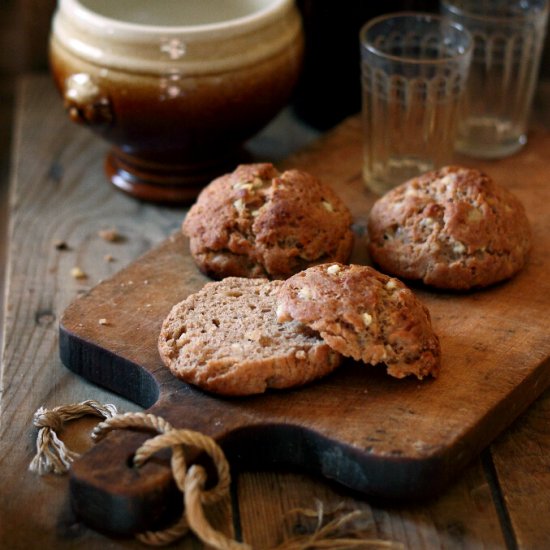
column 329, row 88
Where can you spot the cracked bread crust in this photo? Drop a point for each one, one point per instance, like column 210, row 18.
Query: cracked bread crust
column 256, row 222
column 225, row 339
column 454, row 228
column 364, row 314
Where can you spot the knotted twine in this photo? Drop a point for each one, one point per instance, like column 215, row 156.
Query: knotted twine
column 53, row 456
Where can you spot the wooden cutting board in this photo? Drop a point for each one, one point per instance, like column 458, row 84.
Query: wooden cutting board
column 396, row 439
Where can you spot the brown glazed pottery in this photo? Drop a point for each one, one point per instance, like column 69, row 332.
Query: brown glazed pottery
column 176, row 87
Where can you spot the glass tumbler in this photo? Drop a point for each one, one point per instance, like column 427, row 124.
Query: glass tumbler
column 508, row 40
column 414, row 69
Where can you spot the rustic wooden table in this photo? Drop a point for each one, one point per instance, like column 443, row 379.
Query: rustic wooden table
column 57, row 192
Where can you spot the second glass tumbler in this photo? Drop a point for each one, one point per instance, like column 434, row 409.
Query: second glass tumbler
column 414, row 70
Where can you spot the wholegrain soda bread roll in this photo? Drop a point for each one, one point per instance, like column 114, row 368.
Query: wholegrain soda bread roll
column 363, row 314
column 225, row 339
column 453, row 228
column 257, row 222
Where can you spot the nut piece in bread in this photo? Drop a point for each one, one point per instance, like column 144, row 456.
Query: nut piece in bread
column 453, row 228
column 363, row 314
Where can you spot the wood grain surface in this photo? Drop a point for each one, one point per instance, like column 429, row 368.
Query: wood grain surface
column 58, row 192
column 400, row 439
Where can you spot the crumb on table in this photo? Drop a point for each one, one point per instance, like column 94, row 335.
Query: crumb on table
column 77, row 273
column 110, row 235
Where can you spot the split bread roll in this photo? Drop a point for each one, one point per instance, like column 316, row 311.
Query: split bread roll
column 243, row 336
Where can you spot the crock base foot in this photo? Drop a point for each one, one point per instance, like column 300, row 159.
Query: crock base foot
column 164, row 182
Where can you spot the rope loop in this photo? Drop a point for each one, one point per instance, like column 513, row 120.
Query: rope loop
column 190, row 439
column 53, row 456
column 191, row 483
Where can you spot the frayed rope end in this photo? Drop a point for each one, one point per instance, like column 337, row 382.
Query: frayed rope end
column 52, row 455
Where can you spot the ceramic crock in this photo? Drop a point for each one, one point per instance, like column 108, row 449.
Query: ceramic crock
column 175, row 86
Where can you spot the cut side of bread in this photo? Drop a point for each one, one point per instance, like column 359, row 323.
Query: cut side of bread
column 226, row 339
